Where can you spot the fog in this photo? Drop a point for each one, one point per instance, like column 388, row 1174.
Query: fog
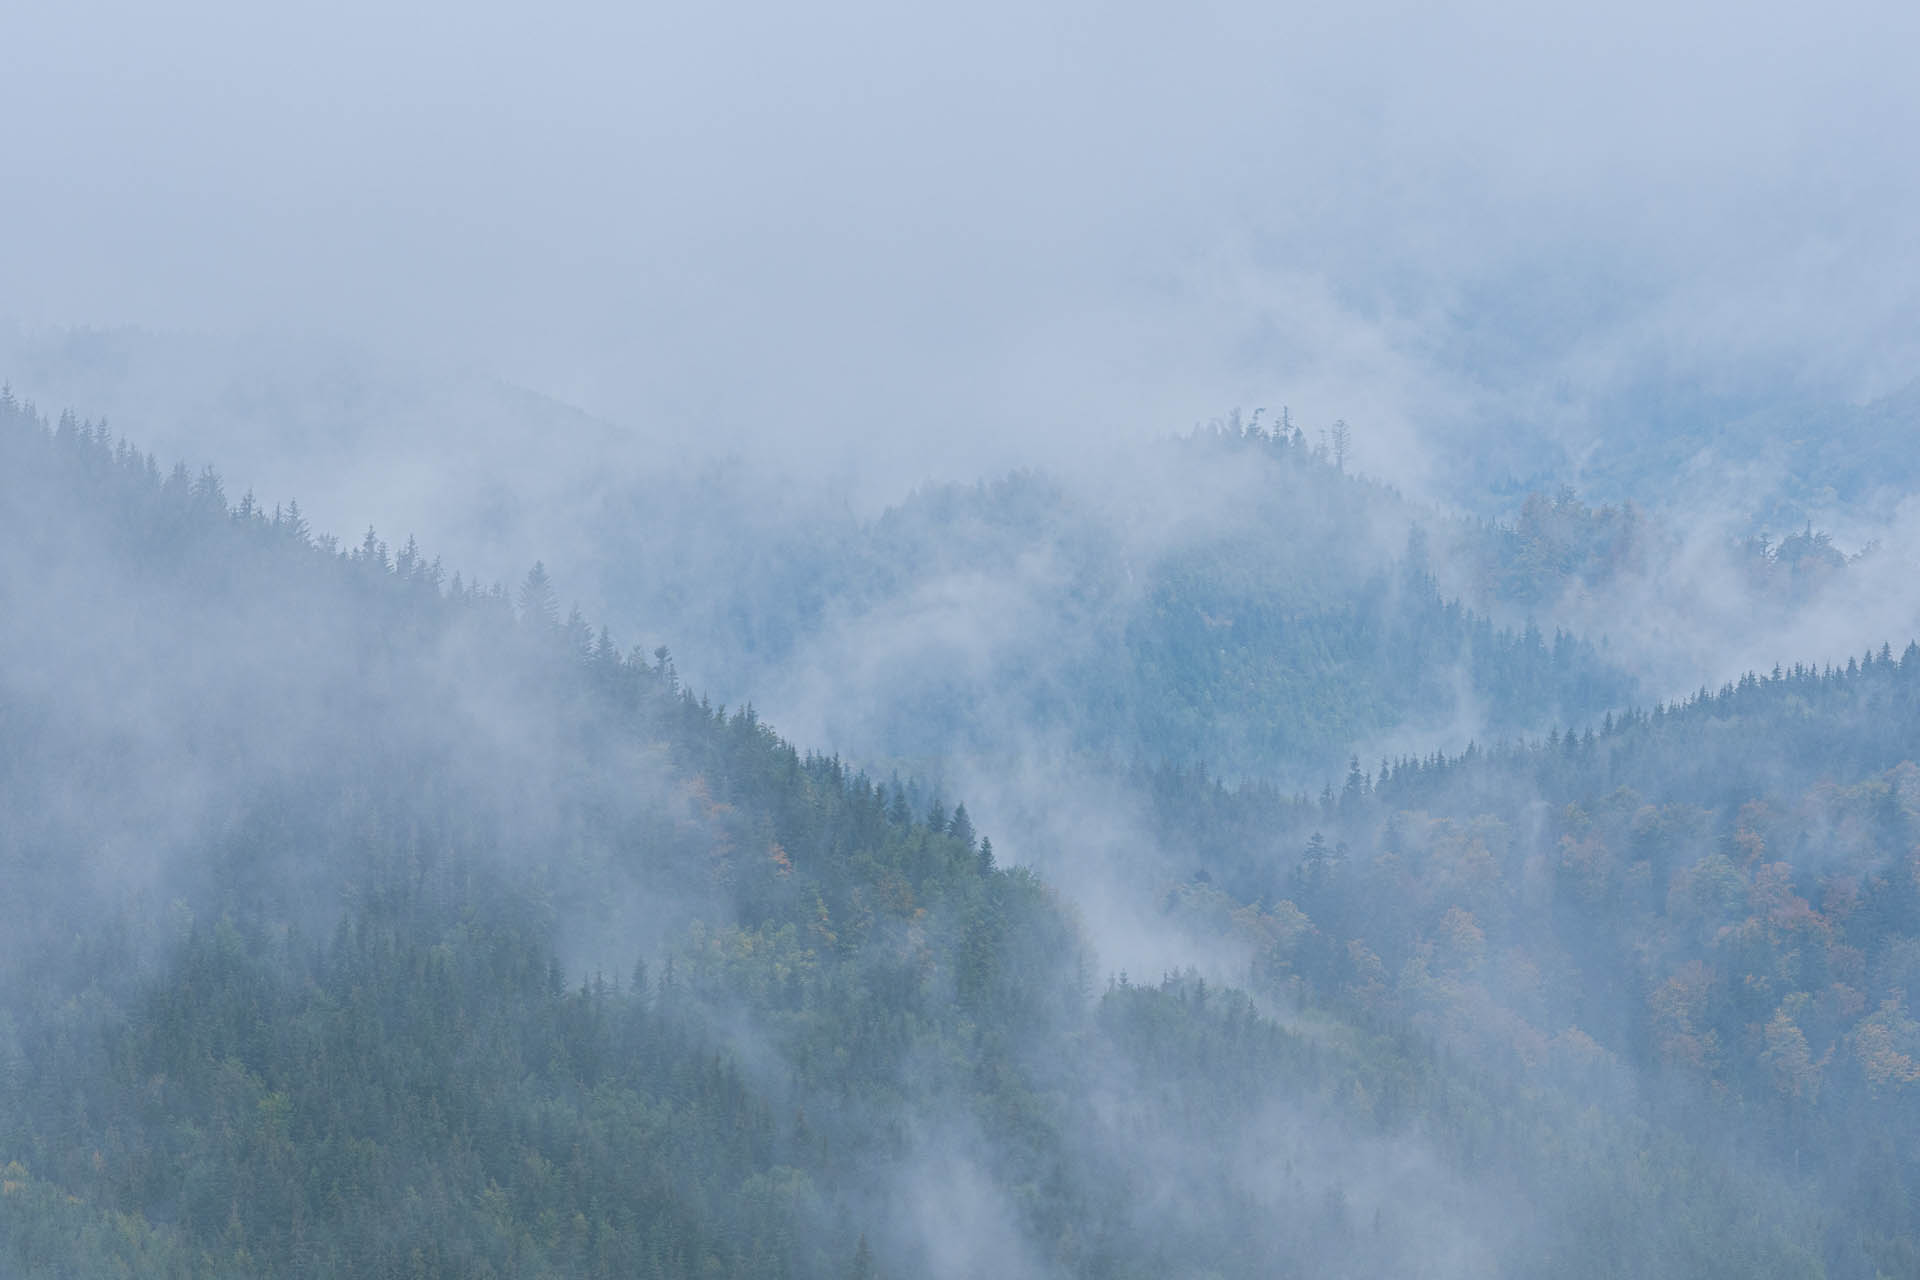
column 936, row 241
column 1133, row 423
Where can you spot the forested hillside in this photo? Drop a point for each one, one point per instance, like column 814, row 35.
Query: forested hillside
column 1798, row 457
column 360, row 921
column 1713, row 906
column 926, row 642
column 1234, row 598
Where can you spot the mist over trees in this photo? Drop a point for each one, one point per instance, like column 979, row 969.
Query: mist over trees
column 1255, row 608
column 861, row 641
column 365, row 918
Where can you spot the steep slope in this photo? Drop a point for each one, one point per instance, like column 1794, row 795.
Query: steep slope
column 1708, row 913
column 1233, row 599
column 362, row 922
column 306, row 854
column 488, row 473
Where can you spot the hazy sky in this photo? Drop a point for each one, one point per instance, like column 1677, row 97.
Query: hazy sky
column 878, row 225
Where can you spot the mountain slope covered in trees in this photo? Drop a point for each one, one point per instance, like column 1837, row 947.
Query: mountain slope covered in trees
column 1239, row 601
column 1711, row 908
column 360, row 921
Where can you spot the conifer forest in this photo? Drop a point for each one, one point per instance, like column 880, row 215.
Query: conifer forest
column 649, row 644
